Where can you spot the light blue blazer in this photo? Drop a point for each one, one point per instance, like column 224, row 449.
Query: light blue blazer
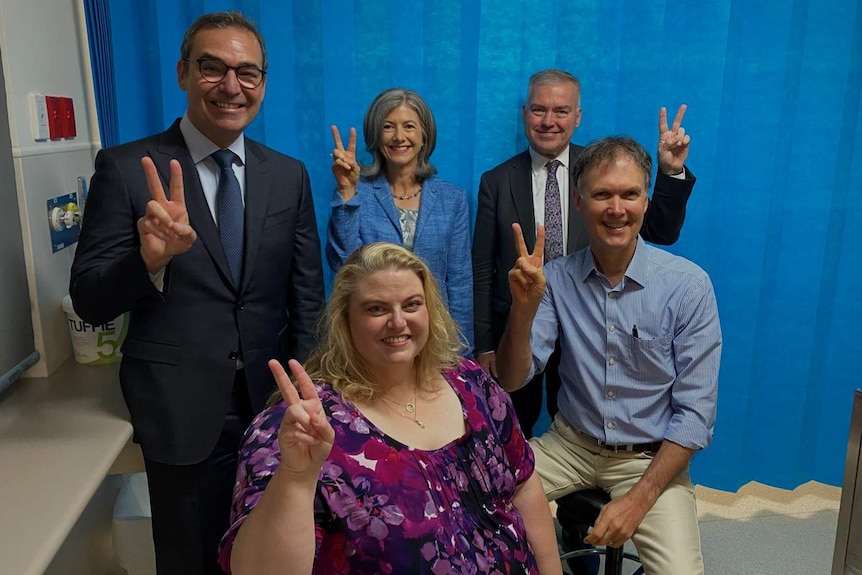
column 442, row 236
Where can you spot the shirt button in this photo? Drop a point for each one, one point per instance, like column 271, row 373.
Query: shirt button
column 611, row 393
column 612, row 361
column 233, row 355
column 612, row 294
column 611, row 425
column 611, row 329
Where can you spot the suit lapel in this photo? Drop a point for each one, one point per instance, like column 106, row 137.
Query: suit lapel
column 521, row 189
column 426, row 208
column 383, row 195
column 258, row 189
column 173, row 146
column 576, row 221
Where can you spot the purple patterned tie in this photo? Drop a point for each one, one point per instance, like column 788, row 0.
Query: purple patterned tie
column 229, row 211
column 553, row 214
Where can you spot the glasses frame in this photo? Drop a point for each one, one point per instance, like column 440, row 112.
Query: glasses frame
column 227, row 68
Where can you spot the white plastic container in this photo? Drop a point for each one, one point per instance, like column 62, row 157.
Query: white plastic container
column 95, row 344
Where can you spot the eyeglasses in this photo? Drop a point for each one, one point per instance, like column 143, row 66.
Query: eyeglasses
column 214, row 71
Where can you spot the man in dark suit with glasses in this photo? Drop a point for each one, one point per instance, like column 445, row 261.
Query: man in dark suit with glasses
column 209, row 240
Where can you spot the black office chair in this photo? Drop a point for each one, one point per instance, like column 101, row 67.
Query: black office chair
column 577, row 512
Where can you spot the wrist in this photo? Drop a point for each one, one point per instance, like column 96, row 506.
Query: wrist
column 298, row 480
column 154, row 264
column 347, row 193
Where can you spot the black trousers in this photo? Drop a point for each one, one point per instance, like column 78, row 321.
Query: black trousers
column 190, row 504
column 528, row 399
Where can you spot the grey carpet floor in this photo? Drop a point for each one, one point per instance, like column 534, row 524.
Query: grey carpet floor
column 762, row 530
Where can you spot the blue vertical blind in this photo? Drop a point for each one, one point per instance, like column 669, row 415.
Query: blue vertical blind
column 773, row 89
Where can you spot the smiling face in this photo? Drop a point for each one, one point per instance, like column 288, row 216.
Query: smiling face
column 551, row 114
column 222, row 110
column 401, row 138
column 612, row 197
column 388, row 319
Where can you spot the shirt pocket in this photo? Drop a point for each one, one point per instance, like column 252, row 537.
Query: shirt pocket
column 651, row 360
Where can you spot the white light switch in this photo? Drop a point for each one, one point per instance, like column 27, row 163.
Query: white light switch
column 39, row 117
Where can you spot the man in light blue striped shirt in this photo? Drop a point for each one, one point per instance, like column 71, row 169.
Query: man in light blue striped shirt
column 641, row 344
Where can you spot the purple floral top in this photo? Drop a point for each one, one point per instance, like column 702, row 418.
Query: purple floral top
column 384, row 507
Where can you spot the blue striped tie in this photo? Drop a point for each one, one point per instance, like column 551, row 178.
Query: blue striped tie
column 229, row 212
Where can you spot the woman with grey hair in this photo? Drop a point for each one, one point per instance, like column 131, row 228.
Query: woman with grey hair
column 397, row 199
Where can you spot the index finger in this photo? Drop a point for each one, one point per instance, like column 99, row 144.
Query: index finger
column 539, row 248
column 336, row 136
column 285, row 386
column 306, row 386
column 154, row 183
column 677, row 122
column 520, row 244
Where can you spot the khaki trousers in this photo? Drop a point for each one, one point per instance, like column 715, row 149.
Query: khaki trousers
column 668, row 538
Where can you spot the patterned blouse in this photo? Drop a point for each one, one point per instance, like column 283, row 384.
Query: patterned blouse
column 408, row 220
column 384, row 507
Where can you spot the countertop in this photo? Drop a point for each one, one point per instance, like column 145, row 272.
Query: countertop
column 59, row 437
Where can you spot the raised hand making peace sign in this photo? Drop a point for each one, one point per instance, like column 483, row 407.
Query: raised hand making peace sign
column 526, row 278
column 305, row 436
column 164, row 230
column 672, row 143
column 344, row 166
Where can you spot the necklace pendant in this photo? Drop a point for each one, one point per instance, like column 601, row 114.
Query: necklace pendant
column 410, row 407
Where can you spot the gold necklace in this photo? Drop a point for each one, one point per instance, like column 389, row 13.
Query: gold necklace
column 410, row 197
column 409, row 407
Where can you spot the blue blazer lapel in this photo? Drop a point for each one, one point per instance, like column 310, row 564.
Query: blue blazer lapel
column 383, row 195
column 426, row 208
column 258, row 189
column 173, row 146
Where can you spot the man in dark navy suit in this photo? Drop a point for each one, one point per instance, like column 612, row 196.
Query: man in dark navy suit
column 209, row 240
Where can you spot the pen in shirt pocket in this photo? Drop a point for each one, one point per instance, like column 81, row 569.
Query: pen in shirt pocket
column 635, row 331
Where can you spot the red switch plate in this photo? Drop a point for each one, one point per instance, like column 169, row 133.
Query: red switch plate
column 67, row 114
column 55, row 118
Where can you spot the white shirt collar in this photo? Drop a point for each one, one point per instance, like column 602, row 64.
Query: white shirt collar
column 200, row 147
column 538, row 161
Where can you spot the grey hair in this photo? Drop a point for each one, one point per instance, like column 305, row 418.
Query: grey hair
column 553, row 77
column 603, row 152
column 217, row 21
column 372, row 127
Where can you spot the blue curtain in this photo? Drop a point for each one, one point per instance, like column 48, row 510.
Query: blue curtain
column 773, row 88
column 101, row 53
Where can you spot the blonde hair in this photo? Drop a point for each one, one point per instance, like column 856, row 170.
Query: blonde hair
column 336, row 361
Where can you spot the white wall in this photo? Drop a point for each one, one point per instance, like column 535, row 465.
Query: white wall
column 44, row 50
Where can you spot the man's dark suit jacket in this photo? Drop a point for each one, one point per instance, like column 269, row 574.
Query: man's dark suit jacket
column 506, row 197
column 181, row 350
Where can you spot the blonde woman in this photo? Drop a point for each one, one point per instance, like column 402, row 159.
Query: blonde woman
column 395, row 455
